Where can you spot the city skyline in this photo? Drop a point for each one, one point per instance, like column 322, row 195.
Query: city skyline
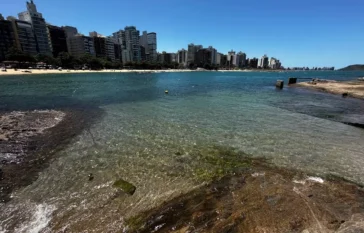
column 33, row 35
column 294, row 53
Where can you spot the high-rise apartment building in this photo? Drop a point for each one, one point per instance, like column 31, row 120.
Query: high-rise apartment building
column 24, row 36
column 58, row 39
column 7, row 37
column 144, row 46
column 152, row 46
column 241, row 59
column 104, row 46
column 213, row 55
column 253, row 63
column 80, row 45
column 39, row 28
column 274, row 63
column 109, row 48
column 119, row 38
column 132, row 43
column 264, row 62
column 182, row 57
column 231, row 58
column 203, row 57
column 70, row 31
column 192, row 49
column 218, row 58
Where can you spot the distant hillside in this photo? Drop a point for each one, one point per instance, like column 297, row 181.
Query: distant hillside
column 353, row 67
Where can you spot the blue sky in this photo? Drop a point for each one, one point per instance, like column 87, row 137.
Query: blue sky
column 299, row 33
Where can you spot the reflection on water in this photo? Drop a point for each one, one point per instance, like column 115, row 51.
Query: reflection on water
column 155, row 140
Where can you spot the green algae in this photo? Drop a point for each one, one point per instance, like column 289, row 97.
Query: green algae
column 125, row 186
column 217, row 162
column 135, row 223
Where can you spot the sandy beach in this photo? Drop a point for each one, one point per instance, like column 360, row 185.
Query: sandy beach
column 34, row 71
column 348, row 88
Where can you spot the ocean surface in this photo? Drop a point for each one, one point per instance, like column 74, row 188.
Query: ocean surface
column 151, row 139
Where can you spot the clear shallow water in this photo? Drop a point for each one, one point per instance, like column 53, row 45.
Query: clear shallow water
column 143, row 129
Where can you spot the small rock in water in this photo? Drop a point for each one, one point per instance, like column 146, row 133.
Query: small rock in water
column 90, row 177
column 125, row 186
column 345, row 94
column 1, row 174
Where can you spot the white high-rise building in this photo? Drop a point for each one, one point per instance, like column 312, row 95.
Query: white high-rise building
column 231, row 58
column 264, row 62
column 274, row 63
column 39, row 28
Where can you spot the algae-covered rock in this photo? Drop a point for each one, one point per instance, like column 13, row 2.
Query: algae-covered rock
column 125, row 186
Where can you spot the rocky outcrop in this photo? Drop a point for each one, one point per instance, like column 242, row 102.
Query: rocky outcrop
column 261, row 200
column 17, row 130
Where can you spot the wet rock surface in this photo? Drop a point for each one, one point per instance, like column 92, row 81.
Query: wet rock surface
column 17, row 129
column 28, row 140
column 261, row 200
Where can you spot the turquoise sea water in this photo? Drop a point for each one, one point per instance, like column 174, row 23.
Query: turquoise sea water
column 142, row 130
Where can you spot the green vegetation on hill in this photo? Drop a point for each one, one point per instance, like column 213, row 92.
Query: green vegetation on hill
column 353, row 68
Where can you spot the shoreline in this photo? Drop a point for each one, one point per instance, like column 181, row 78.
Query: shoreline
column 354, row 88
column 11, row 72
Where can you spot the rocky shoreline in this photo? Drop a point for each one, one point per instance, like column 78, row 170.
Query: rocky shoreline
column 262, row 199
column 28, row 141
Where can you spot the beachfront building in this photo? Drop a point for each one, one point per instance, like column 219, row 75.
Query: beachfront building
column 253, row 63
column 80, row 45
column 213, row 52
column 39, row 27
column 119, row 38
column 99, row 45
column 7, row 38
column 117, row 51
column 241, row 60
column 264, row 62
column 152, row 46
column 274, row 63
column 192, row 49
column 132, row 43
column 182, row 57
column 120, row 41
column 24, row 36
column 58, row 39
column 148, row 43
column 104, row 46
column 203, row 57
column 165, row 58
column 110, row 48
column 70, row 31
column 231, row 58
column 218, row 58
